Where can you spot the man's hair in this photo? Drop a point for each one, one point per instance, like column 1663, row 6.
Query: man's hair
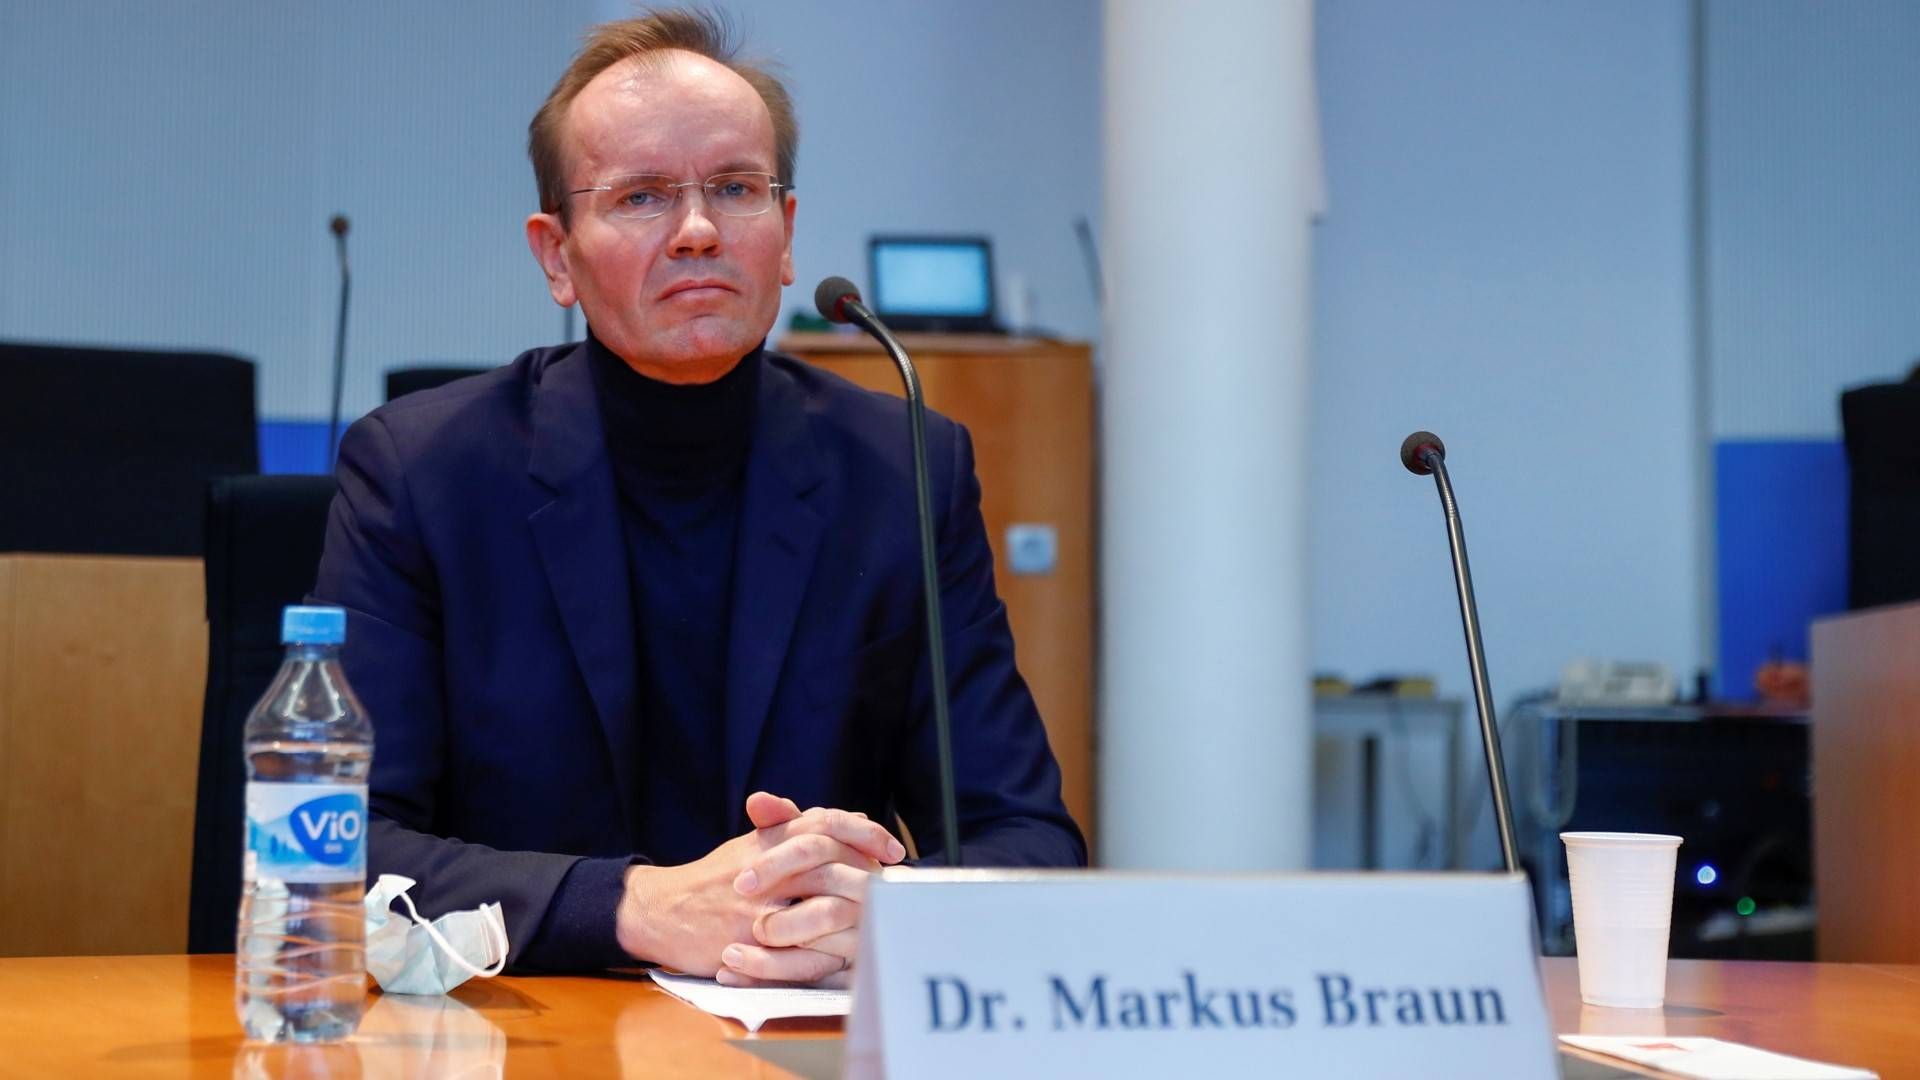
column 702, row 32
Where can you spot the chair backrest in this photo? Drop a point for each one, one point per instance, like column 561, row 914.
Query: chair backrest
column 403, row 381
column 264, row 535
column 1883, row 457
column 109, row 451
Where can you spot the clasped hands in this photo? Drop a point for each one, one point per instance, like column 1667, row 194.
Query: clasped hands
column 780, row 904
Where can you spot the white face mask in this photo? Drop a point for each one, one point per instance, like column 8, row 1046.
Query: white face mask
column 420, row 957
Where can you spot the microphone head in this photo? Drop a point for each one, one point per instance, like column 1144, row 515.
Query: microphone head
column 339, row 225
column 1414, row 450
column 830, row 297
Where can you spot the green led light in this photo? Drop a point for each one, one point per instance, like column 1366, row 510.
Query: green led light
column 1745, row 906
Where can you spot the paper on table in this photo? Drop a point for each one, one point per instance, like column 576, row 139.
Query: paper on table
column 1711, row 1059
column 753, row 1006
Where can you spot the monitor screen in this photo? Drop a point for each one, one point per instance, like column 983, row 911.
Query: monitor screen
column 922, row 277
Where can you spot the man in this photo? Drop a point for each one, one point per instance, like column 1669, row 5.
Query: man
column 600, row 595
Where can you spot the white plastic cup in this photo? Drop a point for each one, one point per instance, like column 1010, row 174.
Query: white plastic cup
column 1622, row 912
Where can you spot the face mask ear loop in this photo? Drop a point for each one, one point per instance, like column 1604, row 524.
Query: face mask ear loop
column 496, row 930
column 454, row 954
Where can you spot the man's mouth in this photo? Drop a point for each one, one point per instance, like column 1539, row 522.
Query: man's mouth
column 696, row 288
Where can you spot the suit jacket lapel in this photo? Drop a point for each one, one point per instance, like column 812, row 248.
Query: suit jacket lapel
column 779, row 534
column 583, row 551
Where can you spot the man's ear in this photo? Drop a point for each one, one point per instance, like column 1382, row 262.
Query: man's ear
column 788, row 205
column 546, row 238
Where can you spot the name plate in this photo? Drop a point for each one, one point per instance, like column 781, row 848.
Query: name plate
column 967, row 973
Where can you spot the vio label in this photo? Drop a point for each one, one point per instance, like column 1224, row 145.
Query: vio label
column 329, row 828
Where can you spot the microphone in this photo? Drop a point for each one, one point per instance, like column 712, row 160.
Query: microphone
column 1091, row 256
column 839, row 301
column 339, row 226
column 1423, row 453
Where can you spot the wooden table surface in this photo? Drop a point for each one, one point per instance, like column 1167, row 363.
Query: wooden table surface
column 173, row 1016
column 1866, row 1016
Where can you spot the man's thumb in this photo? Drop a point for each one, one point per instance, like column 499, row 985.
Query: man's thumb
column 766, row 810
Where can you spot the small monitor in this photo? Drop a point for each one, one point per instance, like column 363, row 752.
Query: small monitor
column 933, row 283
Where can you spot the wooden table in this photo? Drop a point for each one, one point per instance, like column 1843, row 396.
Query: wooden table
column 1867, row 1016
column 173, row 1016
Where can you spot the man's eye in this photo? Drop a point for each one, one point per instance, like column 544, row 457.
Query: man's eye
column 734, row 189
column 641, row 198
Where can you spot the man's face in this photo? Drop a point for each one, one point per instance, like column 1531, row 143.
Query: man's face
column 686, row 117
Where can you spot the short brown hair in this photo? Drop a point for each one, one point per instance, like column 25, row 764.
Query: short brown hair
column 702, row 32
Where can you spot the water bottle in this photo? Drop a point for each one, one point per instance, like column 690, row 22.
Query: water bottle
column 300, row 968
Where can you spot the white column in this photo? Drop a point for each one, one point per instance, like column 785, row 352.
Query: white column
column 1211, row 158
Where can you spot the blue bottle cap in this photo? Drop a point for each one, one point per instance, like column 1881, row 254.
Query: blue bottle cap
column 313, row 625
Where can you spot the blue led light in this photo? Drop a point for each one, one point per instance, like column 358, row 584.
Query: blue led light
column 1706, row 875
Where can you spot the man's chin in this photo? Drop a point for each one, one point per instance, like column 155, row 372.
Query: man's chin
column 688, row 367
column 695, row 349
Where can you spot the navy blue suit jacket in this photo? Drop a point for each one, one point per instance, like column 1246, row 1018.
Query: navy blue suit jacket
column 477, row 546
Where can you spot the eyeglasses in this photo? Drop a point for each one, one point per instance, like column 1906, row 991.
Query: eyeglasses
column 643, row 196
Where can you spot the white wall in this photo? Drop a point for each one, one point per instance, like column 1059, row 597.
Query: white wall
column 1812, row 111
column 1504, row 261
column 980, row 117
column 169, row 170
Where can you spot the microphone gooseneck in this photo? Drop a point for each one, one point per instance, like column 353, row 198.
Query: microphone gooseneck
column 339, row 226
column 1090, row 254
column 1422, row 453
column 839, row 301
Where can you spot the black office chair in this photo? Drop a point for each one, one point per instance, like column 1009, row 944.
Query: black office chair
column 403, row 381
column 109, row 451
column 264, row 535
column 1884, row 511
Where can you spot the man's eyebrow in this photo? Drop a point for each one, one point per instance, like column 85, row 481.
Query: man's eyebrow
column 732, row 165
column 740, row 165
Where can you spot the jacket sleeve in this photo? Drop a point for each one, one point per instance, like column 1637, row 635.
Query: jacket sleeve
column 376, row 565
column 1007, row 781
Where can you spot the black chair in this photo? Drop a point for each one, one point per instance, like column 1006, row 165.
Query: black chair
column 1883, row 457
column 264, row 535
column 402, row 381
column 109, row 451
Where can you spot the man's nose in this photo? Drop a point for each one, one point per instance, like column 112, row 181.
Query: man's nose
column 694, row 230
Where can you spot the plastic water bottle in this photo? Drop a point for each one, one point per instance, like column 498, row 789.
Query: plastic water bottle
column 300, row 969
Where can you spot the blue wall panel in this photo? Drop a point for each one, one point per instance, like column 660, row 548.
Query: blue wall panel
column 294, row 446
column 1782, row 519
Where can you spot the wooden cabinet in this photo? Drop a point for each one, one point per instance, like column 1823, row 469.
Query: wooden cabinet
column 1866, row 802
column 1029, row 405
column 103, row 663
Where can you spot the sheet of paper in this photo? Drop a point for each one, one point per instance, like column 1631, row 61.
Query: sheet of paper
column 756, row 1005
column 1711, row 1059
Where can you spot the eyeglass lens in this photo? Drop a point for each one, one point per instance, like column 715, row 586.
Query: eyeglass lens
column 740, row 194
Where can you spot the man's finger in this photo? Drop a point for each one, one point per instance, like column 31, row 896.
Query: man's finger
column 806, row 921
column 779, row 965
column 766, row 810
column 789, row 857
column 828, row 879
column 862, row 834
column 847, row 831
column 730, row 977
column 846, row 943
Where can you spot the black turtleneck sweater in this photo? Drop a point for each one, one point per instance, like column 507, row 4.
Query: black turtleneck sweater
column 678, row 455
